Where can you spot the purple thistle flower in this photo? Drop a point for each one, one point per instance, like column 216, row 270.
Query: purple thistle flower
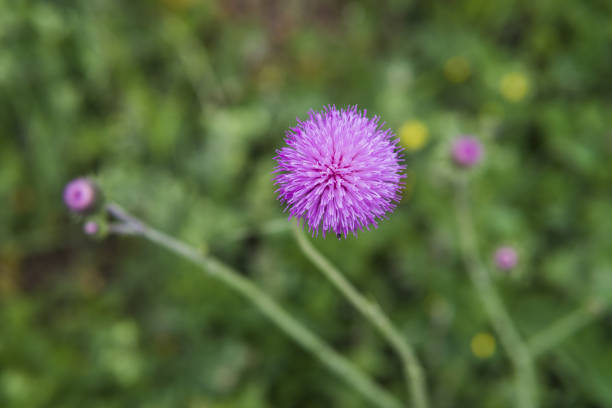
column 340, row 171
column 467, row 151
column 91, row 228
column 80, row 195
column 506, row 258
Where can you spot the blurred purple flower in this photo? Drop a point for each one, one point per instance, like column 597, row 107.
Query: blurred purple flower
column 467, row 151
column 91, row 228
column 340, row 171
column 506, row 258
column 80, row 195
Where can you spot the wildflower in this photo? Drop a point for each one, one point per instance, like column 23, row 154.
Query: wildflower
column 91, row 228
column 80, row 195
column 340, row 171
column 413, row 135
column 483, row 345
column 514, row 86
column 506, row 258
column 457, row 69
column 467, row 151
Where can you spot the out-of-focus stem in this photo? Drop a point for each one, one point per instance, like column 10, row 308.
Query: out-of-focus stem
column 500, row 319
column 566, row 326
column 288, row 324
column 371, row 311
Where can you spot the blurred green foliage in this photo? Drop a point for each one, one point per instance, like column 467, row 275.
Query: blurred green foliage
column 176, row 107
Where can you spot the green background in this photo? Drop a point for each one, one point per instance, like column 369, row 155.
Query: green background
column 177, row 107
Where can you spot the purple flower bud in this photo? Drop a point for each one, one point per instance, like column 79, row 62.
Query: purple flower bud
column 80, row 195
column 467, row 151
column 91, row 228
column 506, row 258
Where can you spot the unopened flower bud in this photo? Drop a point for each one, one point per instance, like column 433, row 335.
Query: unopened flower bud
column 467, row 151
column 91, row 228
column 80, row 195
column 506, row 258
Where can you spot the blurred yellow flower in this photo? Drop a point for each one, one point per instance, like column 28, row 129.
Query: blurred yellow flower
column 483, row 345
column 457, row 69
column 514, row 86
column 413, row 135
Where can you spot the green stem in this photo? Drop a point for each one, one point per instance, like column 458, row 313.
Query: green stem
column 565, row 327
column 294, row 329
column 371, row 311
column 499, row 317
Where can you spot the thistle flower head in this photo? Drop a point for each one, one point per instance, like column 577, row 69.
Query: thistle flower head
column 467, row 151
column 91, row 228
column 340, row 171
column 506, row 258
column 80, row 195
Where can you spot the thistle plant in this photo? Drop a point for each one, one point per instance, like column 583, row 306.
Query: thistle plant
column 91, row 228
column 467, row 151
column 80, row 195
column 506, row 258
column 341, row 172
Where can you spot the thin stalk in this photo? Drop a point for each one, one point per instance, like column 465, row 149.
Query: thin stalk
column 566, row 326
column 339, row 365
column 500, row 319
column 371, row 311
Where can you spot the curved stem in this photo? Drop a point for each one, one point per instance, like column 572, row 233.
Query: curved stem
column 565, row 327
column 288, row 324
column 499, row 317
column 371, row 311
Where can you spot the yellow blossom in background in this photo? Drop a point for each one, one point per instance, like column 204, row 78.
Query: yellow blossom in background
column 457, row 69
column 413, row 135
column 514, row 86
column 483, row 345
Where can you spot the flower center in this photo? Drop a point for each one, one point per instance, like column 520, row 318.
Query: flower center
column 335, row 172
